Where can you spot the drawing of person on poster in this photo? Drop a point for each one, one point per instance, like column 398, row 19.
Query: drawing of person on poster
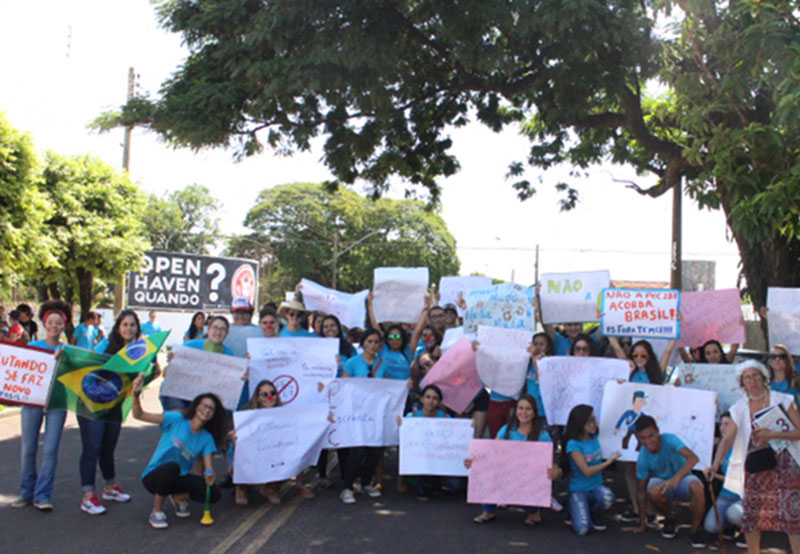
column 629, row 417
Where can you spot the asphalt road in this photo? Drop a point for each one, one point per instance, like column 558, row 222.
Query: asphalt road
column 395, row 523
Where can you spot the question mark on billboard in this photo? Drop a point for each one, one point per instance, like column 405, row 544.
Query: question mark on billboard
column 219, row 269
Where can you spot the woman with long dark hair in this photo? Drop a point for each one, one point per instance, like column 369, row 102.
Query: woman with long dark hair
column 332, row 329
column 99, row 437
column 587, row 495
column 196, row 327
column 195, row 433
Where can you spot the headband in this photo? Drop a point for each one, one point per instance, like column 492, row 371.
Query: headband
column 59, row 312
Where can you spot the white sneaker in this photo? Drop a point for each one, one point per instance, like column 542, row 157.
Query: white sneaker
column 347, row 496
column 556, row 505
column 182, row 508
column 116, row 494
column 20, row 502
column 371, row 491
column 92, row 506
column 158, row 520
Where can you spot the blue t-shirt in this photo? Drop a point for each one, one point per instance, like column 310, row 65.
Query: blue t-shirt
column 85, row 335
column 663, row 464
column 102, row 346
column 593, row 455
column 150, row 328
column 562, row 343
column 723, row 468
column 532, row 388
column 514, row 435
column 43, row 344
column 783, row 386
column 418, row 413
column 639, row 376
column 357, row 366
column 397, row 364
column 200, row 344
column 179, row 444
column 286, row 333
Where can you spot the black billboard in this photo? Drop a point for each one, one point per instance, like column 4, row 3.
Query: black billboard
column 191, row 282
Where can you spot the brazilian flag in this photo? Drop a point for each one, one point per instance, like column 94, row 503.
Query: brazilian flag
column 138, row 355
column 83, row 386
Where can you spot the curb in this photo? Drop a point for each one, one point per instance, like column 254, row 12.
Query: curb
column 10, row 411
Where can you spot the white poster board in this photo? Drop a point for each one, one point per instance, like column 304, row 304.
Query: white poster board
column 26, row 375
column 783, row 319
column 351, row 309
column 502, row 359
column 365, row 411
column 274, row 444
column 300, row 367
column 193, row 372
column 720, row 378
column 399, row 293
column 566, row 381
column 434, row 445
column 451, row 287
column 507, row 305
column 572, row 297
column 687, row 413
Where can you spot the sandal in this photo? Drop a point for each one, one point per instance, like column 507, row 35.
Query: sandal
column 483, row 518
column 533, row 519
column 241, row 496
column 304, row 491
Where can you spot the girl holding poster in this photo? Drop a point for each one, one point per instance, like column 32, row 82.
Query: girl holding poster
column 524, row 425
column 195, row 433
column 39, row 488
column 587, row 495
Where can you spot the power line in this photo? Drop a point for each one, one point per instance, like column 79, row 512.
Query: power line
column 590, row 250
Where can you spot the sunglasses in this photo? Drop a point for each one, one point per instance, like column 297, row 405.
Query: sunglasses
column 394, row 336
column 638, row 355
column 778, row 357
column 292, row 314
column 268, row 395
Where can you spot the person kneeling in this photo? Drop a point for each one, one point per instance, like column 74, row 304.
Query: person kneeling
column 663, row 472
column 197, row 432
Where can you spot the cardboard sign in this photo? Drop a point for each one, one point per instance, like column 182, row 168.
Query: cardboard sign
column 508, row 305
column 399, row 293
column 26, row 374
column 349, row 308
column 711, row 315
column 645, row 313
column 193, row 372
column 572, row 297
column 365, row 411
column 456, row 375
column 434, row 445
column 510, row 472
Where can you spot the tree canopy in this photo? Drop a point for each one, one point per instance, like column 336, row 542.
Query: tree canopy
column 385, row 81
column 296, row 228
column 183, row 220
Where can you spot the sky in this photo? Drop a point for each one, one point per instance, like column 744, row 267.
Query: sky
column 66, row 61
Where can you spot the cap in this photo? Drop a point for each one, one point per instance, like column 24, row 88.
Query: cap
column 451, row 307
column 639, row 394
column 241, row 303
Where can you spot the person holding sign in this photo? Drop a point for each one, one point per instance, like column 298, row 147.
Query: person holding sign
column 587, row 495
column 524, row 425
column 541, row 346
column 293, row 311
column 712, row 353
column 664, row 473
column 332, row 329
column 767, row 480
column 783, row 377
column 362, row 461
column 645, row 366
column 38, row 488
column 195, row 433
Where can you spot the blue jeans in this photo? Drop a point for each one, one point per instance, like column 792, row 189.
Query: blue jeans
column 582, row 504
column 32, row 486
column 730, row 512
column 171, row 403
column 99, row 440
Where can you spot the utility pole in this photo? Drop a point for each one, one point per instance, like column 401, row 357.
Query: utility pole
column 536, row 266
column 675, row 266
column 119, row 290
column 335, row 260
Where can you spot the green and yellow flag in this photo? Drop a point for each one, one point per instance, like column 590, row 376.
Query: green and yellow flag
column 138, row 355
column 83, row 386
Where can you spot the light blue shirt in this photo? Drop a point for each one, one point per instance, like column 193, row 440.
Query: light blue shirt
column 398, row 365
column 514, row 435
column 179, row 444
column 85, row 335
column 43, row 344
column 663, row 464
column 286, row 333
column 593, row 455
column 200, row 344
column 150, row 328
column 357, row 366
column 532, row 388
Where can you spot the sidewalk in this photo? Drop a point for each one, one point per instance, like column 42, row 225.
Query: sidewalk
column 8, row 411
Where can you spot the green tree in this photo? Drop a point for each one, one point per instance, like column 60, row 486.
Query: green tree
column 96, row 222
column 296, row 228
column 385, row 81
column 22, row 207
column 183, row 220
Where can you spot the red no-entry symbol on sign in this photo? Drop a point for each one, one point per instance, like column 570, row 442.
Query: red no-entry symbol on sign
column 288, row 388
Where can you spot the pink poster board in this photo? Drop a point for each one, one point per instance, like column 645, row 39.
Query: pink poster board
column 510, row 472
column 455, row 373
column 711, row 315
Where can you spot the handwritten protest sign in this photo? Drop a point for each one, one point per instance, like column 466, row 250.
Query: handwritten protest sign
column 646, row 313
column 26, row 374
column 365, row 412
column 783, row 319
column 456, row 375
column 502, row 359
column 452, row 336
column 434, row 445
column 193, row 371
column 687, row 413
column 399, row 293
column 711, row 315
column 237, row 338
column 451, row 287
column 510, row 472
column 720, row 378
column 349, row 308
column 508, row 305
column 572, row 297
column 297, row 366
column 274, row 444
column 566, row 381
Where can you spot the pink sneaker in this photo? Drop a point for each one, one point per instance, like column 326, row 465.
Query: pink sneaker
column 116, row 494
column 92, row 506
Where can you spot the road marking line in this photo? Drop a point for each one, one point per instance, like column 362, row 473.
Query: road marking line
column 240, row 531
column 273, row 527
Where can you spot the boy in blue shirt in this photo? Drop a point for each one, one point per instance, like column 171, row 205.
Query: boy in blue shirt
column 663, row 471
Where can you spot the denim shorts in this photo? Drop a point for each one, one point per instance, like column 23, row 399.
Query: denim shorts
column 681, row 492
